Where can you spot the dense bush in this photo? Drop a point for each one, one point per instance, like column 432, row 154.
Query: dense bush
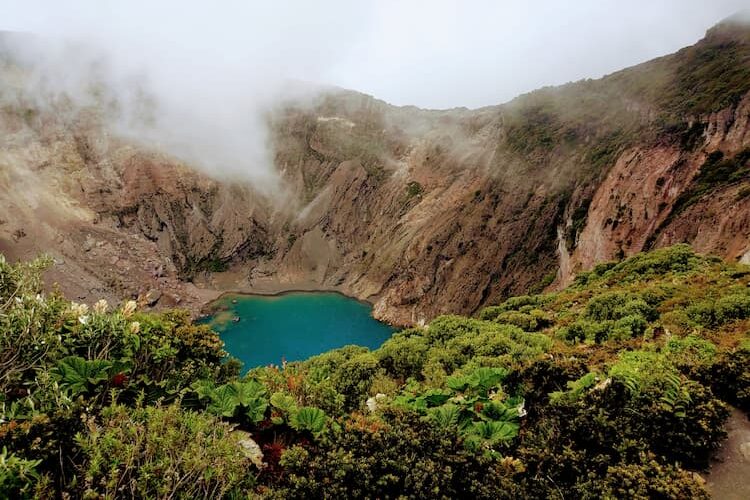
column 730, row 376
column 354, row 377
column 612, row 387
column 161, row 452
column 678, row 259
column 370, row 457
column 712, row 313
column 644, row 480
column 404, row 354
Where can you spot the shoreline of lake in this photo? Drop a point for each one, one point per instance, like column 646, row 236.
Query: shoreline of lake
column 281, row 293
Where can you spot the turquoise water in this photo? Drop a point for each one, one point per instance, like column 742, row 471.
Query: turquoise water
column 293, row 326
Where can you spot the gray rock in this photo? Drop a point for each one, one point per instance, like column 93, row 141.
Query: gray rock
column 88, row 244
column 153, row 296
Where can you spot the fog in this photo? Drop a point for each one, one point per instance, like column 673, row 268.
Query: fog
column 212, row 69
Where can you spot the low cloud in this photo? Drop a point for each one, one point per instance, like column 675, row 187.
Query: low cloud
column 192, row 81
column 196, row 79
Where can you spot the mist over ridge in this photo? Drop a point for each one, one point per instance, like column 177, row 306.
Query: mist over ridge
column 199, row 83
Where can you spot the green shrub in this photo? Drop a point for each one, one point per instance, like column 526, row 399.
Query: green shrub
column 733, row 307
column 370, row 457
column 728, row 308
column 628, row 327
column 507, row 344
column 413, row 189
column 624, row 328
column 575, row 389
column 19, row 477
column 404, row 354
column 354, row 378
column 691, row 351
column 583, row 330
column 616, row 305
column 531, row 321
column 730, row 377
column 325, row 365
column 643, row 480
column 513, row 304
column 678, row 322
column 150, row 452
column 29, row 320
column 444, row 328
column 643, row 266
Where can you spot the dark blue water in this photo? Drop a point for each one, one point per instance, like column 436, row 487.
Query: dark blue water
column 294, row 326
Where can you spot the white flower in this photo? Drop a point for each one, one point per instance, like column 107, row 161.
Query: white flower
column 101, row 306
column 135, row 327
column 39, row 298
column 521, row 410
column 372, row 405
column 78, row 309
column 83, row 319
column 129, row 308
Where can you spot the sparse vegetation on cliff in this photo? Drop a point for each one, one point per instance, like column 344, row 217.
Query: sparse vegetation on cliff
column 617, row 385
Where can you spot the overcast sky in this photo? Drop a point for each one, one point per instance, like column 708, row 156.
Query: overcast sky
column 431, row 53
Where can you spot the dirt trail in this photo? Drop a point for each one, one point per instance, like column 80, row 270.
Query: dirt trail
column 728, row 477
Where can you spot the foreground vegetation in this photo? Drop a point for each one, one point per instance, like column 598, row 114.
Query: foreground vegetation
column 615, row 387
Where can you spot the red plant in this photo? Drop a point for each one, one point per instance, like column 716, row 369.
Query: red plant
column 119, row 380
column 293, row 382
column 272, row 452
column 272, row 456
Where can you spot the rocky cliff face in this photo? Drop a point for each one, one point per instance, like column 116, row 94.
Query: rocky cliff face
column 667, row 193
column 422, row 212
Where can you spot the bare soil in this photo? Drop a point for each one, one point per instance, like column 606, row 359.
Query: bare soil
column 728, row 478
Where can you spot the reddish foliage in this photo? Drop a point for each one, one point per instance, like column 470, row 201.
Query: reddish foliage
column 119, row 380
column 272, row 455
column 293, row 382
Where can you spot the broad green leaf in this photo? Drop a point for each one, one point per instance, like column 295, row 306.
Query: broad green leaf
column 203, row 388
column 284, row 402
column 500, row 411
column 494, row 432
column 77, row 373
column 223, row 401
column 436, row 397
column 246, row 391
column 256, row 409
column 486, row 378
column 309, row 418
column 457, row 383
column 445, row 416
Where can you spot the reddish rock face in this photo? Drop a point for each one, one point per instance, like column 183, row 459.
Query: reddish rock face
column 422, row 212
column 633, row 209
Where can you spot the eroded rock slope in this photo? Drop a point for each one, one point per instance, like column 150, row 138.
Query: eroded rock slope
column 422, row 212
